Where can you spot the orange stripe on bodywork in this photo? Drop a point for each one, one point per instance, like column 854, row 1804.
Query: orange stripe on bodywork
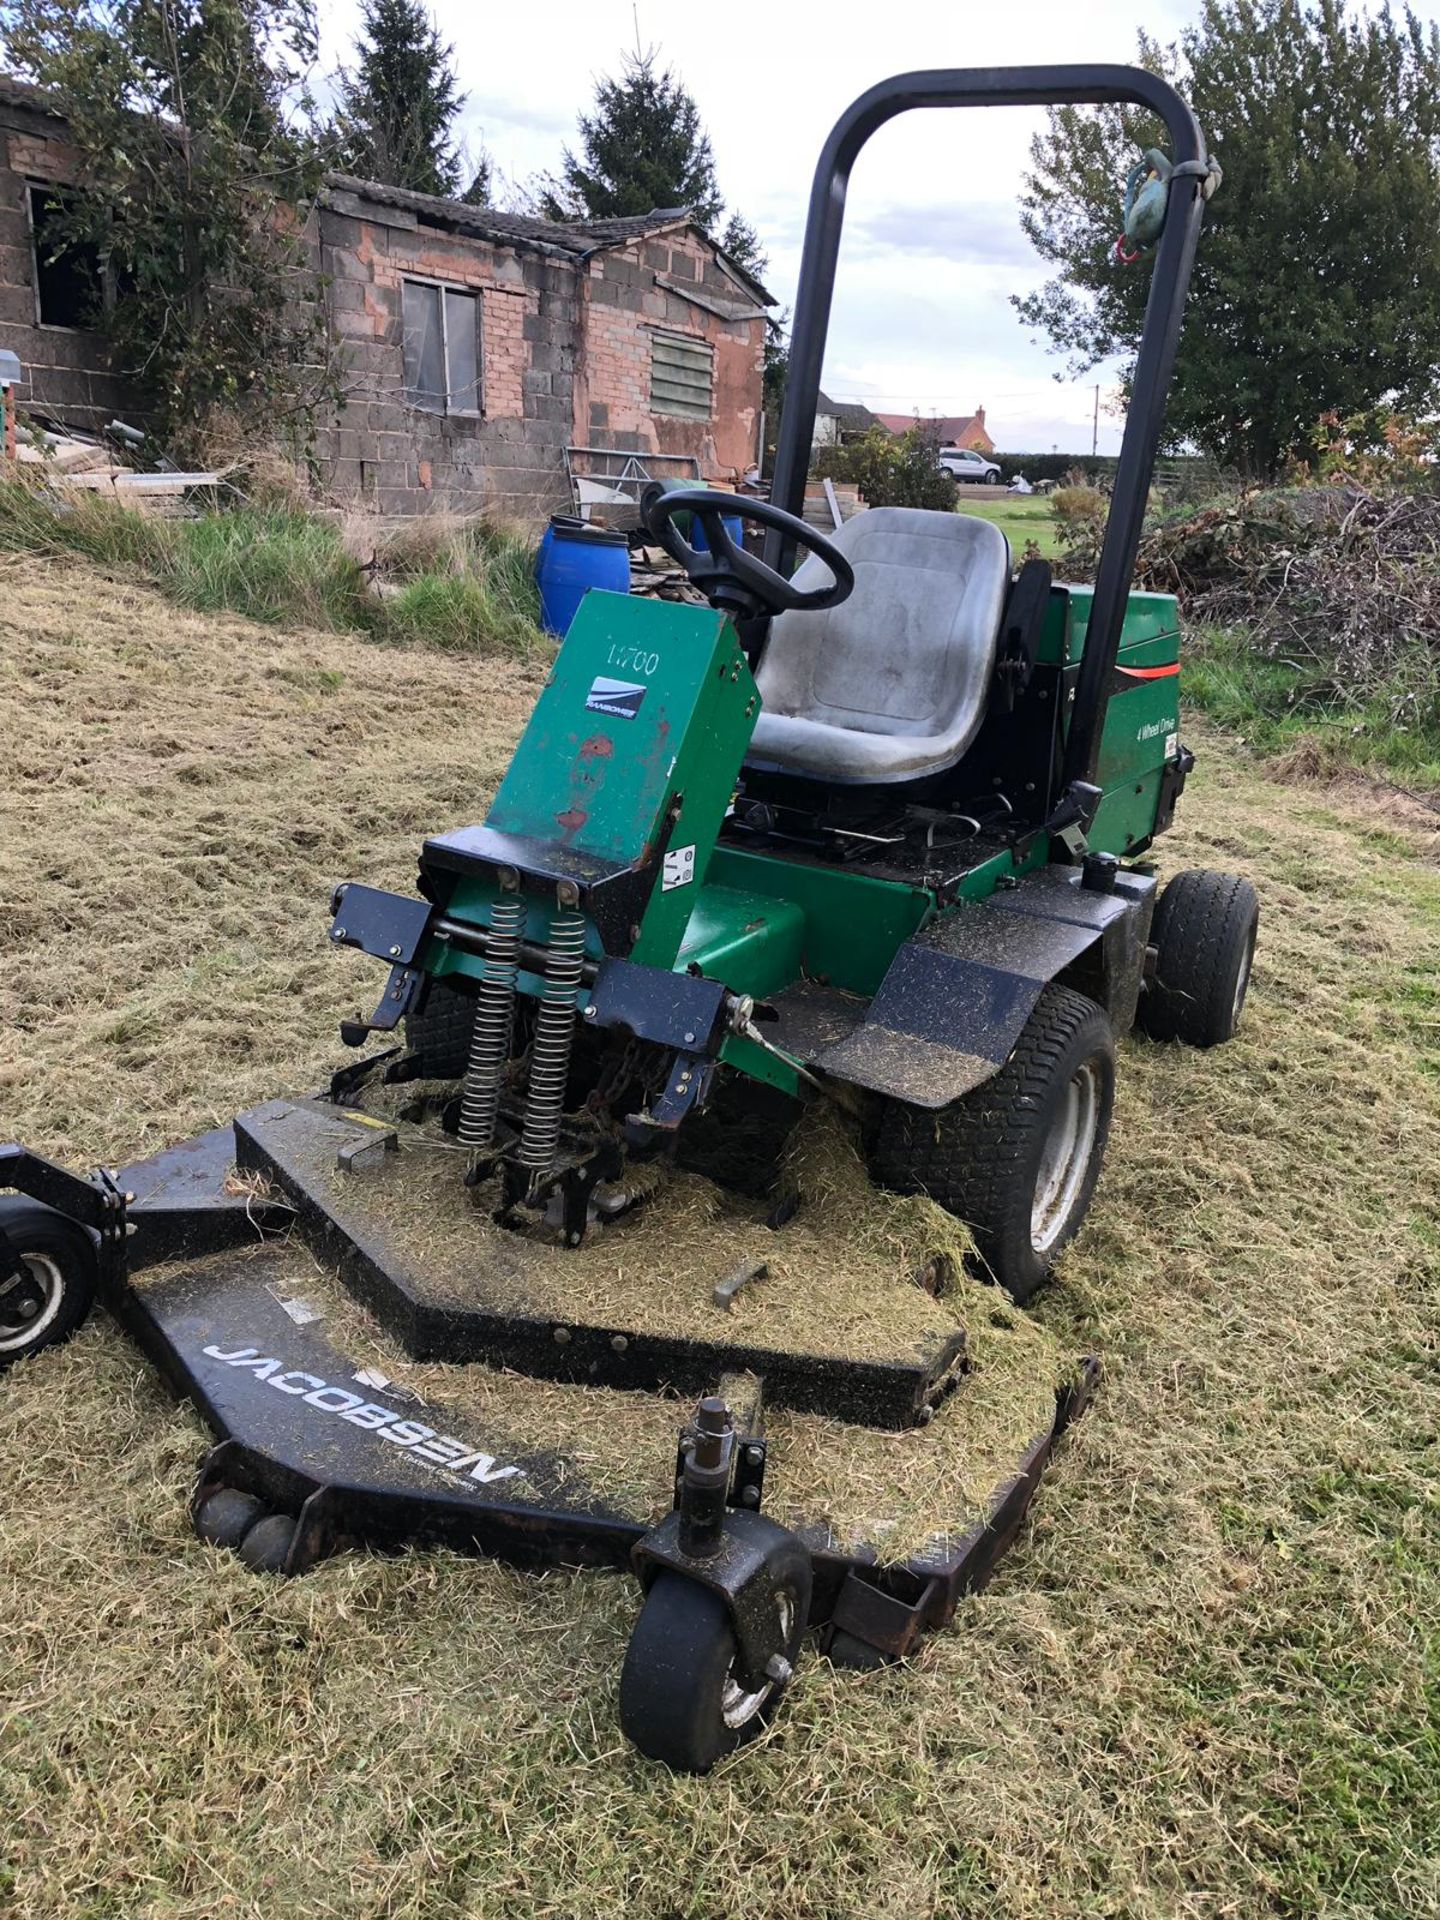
column 1150, row 673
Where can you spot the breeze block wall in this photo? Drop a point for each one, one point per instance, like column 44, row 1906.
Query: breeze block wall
column 66, row 374
column 385, row 453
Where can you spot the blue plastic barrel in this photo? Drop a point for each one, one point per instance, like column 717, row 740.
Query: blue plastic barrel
column 572, row 559
column 732, row 524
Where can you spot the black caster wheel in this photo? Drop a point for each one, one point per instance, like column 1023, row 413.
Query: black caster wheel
column 266, row 1546
column 48, row 1298
column 680, row 1700
column 226, row 1516
column 845, row 1650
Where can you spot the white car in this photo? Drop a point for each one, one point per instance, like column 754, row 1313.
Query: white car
column 964, row 464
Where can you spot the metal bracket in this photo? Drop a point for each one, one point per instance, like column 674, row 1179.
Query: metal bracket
column 881, row 1620
column 755, row 1561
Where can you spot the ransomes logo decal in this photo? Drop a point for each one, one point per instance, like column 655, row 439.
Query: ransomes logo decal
column 438, row 1450
column 619, row 697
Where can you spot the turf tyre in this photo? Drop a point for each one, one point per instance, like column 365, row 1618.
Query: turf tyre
column 439, row 1033
column 990, row 1158
column 679, row 1702
column 1204, row 939
column 47, row 1302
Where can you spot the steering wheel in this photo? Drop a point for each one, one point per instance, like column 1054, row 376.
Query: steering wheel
column 728, row 576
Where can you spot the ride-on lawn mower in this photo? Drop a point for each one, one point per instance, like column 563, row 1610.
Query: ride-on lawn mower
column 866, row 833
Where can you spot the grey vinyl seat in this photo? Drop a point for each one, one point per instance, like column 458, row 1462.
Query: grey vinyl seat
column 892, row 684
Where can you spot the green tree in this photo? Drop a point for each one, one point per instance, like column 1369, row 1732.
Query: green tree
column 477, row 194
column 740, row 240
column 642, row 148
column 1317, row 284
column 892, row 469
column 398, row 106
column 196, row 161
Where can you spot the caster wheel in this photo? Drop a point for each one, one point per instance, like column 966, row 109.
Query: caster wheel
column 266, row 1546
column 847, row 1651
column 226, row 1516
column 680, row 1701
column 48, row 1298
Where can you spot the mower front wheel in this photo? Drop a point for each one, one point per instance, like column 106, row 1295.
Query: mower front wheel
column 680, row 1700
column 1017, row 1159
column 48, row 1297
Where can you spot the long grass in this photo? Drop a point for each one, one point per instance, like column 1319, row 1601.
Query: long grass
column 464, row 586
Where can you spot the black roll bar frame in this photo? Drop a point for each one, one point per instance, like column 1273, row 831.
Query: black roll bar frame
column 1159, row 340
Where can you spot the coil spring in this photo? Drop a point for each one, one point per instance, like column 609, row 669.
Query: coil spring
column 490, row 1034
column 550, row 1050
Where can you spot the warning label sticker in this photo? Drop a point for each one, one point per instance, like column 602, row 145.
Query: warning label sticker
column 679, row 868
column 619, row 697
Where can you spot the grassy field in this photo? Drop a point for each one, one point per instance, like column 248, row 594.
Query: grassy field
column 1206, row 1684
column 1020, row 517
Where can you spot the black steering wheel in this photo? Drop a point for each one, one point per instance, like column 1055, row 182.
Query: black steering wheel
column 728, row 576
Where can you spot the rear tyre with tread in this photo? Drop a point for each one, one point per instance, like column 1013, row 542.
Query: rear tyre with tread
column 1204, row 939
column 1017, row 1160
column 48, row 1299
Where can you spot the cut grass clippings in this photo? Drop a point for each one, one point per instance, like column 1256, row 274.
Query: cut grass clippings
column 1205, row 1684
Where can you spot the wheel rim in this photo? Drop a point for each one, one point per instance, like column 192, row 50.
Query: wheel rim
column 40, row 1275
column 739, row 1707
column 1242, row 982
column 1066, row 1158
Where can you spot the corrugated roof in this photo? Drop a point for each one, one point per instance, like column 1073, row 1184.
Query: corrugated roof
column 571, row 237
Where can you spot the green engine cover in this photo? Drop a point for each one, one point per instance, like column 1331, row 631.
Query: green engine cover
column 640, row 731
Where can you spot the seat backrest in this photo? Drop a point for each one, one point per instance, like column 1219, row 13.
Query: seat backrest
column 911, row 653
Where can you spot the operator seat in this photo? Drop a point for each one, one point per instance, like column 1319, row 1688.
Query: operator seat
column 892, row 684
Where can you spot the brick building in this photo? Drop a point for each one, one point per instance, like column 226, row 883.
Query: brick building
column 954, row 430
column 473, row 347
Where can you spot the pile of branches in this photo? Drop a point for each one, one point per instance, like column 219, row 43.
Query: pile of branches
column 1342, row 578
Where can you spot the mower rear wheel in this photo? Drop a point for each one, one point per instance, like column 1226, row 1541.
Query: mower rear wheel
column 266, row 1546
column 1204, row 939
column 680, row 1701
column 439, row 1034
column 1017, row 1159
column 48, row 1299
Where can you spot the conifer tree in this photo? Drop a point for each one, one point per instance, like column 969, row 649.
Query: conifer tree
column 398, row 106
column 642, row 148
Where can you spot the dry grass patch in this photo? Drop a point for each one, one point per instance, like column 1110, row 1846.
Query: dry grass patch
column 1207, row 1684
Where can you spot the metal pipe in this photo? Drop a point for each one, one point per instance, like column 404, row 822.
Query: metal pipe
column 533, row 958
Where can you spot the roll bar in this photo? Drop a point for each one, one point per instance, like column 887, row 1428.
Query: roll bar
column 1174, row 257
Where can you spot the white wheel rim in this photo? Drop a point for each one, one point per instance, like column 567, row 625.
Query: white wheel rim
column 46, row 1274
column 1066, row 1158
column 1242, row 982
column 738, row 1708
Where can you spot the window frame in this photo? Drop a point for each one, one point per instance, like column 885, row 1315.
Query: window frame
column 53, row 188
column 442, row 287
column 657, row 334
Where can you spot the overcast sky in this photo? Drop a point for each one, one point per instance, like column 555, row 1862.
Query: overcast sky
column 932, row 246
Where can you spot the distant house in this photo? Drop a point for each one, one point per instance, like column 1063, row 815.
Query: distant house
column 958, row 430
column 479, row 352
column 839, row 421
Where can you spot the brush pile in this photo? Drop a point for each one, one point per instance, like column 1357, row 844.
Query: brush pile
column 1343, row 577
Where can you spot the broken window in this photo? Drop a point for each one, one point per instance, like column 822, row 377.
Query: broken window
column 68, row 281
column 442, row 347
column 682, row 376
